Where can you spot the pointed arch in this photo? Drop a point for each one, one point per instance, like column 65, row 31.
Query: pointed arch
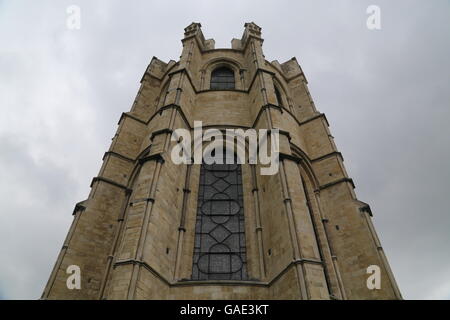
column 163, row 93
column 279, row 97
column 219, row 245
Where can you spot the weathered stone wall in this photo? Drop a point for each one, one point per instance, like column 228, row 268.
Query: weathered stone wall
column 307, row 235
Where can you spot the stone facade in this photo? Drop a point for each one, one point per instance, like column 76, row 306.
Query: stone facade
column 307, row 235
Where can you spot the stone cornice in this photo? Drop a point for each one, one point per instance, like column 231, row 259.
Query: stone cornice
column 328, row 155
column 129, row 115
column 319, row 115
column 283, row 109
column 80, row 206
column 132, row 203
column 153, row 157
column 285, row 156
column 364, row 207
column 333, row 183
column 159, row 132
column 109, row 181
column 118, row 155
column 188, row 282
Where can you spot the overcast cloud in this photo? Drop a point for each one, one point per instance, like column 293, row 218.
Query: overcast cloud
column 386, row 94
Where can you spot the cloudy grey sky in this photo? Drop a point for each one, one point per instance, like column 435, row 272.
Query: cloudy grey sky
column 386, row 94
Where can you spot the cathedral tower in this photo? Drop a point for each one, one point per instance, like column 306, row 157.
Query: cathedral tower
column 155, row 229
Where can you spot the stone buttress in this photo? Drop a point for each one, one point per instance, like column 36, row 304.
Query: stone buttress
column 306, row 234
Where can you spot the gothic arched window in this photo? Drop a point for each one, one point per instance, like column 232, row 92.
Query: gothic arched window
column 219, row 249
column 279, row 98
column 222, row 78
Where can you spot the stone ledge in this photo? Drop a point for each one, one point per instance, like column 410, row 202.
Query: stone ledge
column 188, row 282
column 142, row 200
column 328, row 155
column 285, row 156
column 128, row 115
column 111, row 182
column 328, row 185
column 161, row 131
column 80, row 206
column 364, row 207
column 317, row 116
column 158, row 157
column 118, row 155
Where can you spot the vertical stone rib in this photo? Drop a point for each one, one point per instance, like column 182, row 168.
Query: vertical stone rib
column 143, row 232
column 202, row 79
column 181, row 228
column 114, row 246
column 144, row 229
column 304, row 292
column 317, row 236
column 297, row 253
column 186, row 191
column 255, row 191
column 330, row 246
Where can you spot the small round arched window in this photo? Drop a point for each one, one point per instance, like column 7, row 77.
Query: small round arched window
column 222, row 78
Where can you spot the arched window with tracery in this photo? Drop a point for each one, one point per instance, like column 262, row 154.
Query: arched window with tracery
column 222, row 78
column 219, row 247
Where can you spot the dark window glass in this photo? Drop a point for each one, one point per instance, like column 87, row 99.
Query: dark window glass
column 219, row 250
column 279, row 99
column 222, row 78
